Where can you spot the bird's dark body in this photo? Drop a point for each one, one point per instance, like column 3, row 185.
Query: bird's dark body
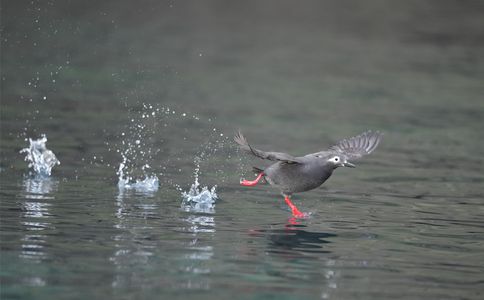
column 295, row 178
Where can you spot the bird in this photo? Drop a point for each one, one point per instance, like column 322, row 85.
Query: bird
column 295, row 174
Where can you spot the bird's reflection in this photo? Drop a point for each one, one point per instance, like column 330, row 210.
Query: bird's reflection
column 295, row 250
column 295, row 237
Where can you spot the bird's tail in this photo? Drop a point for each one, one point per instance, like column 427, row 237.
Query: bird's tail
column 240, row 139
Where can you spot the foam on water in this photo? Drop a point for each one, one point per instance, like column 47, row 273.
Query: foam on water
column 197, row 198
column 40, row 159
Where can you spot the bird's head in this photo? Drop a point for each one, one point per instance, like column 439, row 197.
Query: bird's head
column 339, row 160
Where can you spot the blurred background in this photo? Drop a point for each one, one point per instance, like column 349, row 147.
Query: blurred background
column 270, row 68
column 294, row 76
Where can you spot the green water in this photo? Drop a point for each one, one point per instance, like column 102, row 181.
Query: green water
column 407, row 223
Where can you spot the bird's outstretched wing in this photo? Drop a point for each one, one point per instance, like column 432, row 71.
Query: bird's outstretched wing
column 357, row 146
column 276, row 156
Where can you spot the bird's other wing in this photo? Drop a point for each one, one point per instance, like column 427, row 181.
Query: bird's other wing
column 357, row 146
column 275, row 156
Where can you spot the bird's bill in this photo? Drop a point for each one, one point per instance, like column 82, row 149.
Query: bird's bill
column 348, row 164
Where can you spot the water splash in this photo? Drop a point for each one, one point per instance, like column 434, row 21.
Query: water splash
column 197, row 195
column 126, row 182
column 199, row 199
column 40, row 159
column 137, row 148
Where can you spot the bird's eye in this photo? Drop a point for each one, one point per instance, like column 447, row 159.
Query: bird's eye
column 336, row 158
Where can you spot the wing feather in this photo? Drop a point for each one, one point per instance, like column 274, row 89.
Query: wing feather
column 358, row 146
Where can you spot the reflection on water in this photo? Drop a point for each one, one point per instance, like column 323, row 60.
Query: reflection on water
column 195, row 265
column 39, row 187
column 196, row 262
column 331, row 275
column 293, row 251
column 138, row 244
column 201, row 226
column 200, row 223
column 133, row 245
column 126, row 194
column 294, row 239
column 36, row 213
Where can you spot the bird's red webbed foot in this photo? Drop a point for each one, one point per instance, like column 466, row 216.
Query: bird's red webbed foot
column 296, row 213
column 252, row 182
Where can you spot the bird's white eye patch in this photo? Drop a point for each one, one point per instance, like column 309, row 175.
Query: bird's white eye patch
column 334, row 159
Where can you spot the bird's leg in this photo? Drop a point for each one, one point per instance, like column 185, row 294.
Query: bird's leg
column 252, row 182
column 295, row 212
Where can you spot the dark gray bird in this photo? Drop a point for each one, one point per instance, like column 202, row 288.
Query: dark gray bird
column 303, row 173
